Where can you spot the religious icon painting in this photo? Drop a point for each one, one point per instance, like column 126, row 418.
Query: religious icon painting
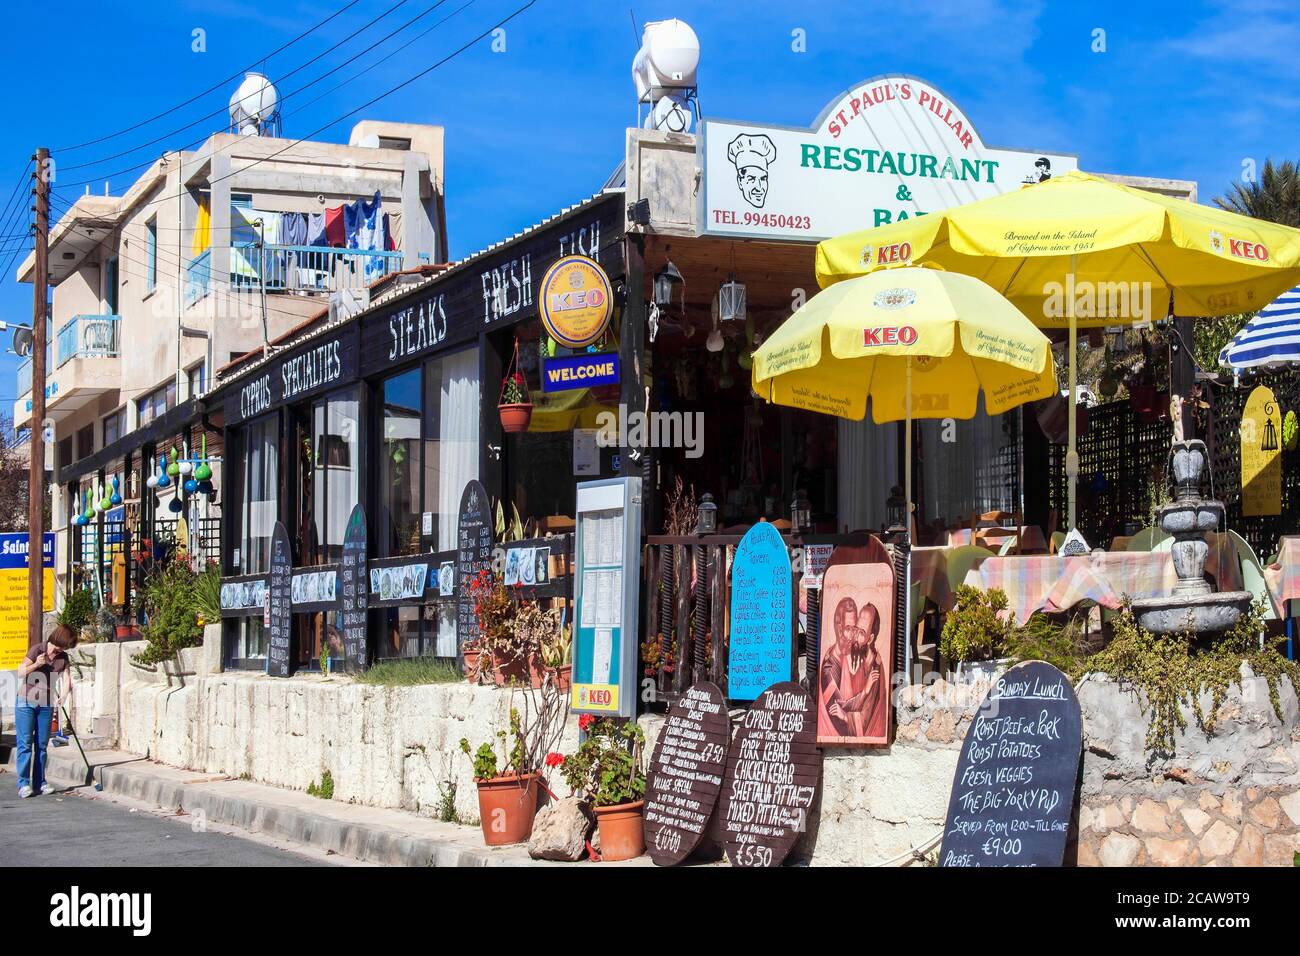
column 856, row 647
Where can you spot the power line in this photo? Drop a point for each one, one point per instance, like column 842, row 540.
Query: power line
column 280, row 79
column 210, row 89
column 389, row 92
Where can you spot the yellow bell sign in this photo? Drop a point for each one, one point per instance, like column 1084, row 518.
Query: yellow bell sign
column 576, row 301
column 1261, row 454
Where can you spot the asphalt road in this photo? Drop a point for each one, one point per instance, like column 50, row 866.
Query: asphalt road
column 69, row 829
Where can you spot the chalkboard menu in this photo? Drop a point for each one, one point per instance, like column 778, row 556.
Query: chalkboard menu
column 686, row 771
column 773, row 771
column 279, row 588
column 1013, row 792
column 473, row 554
column 354, row 592
column 762, row 625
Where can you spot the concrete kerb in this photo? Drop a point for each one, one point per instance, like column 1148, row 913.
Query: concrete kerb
column 136, row 779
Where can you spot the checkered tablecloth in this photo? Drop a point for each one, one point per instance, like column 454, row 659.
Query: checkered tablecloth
column 1057, row 583
column 1283, row 575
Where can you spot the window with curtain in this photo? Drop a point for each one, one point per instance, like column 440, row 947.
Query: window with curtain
column 399, row 464
column 429, row 451
column 151, row 254
column 260, row 506
column 335, row 470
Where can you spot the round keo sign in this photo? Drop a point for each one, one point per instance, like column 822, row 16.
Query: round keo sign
column 576, row 302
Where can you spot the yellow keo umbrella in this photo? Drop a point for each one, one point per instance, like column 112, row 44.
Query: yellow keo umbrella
column 920, row 343
column 1079, row 250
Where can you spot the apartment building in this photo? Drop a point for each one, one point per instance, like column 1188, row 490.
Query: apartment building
column 209, row 255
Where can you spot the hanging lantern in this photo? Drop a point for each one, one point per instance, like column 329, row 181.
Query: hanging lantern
column 116, row 498
column 668, row 279
column 706, row 521
column 800, row 512
column 731, row 300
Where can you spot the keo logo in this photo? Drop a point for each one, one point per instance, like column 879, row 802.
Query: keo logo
column 889, row 335
column 898, row 252
column 1248, row 250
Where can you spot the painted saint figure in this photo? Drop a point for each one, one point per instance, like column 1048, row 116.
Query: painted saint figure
column 852, row 676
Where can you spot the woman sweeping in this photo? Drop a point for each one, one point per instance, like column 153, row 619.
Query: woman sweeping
column 35, row 707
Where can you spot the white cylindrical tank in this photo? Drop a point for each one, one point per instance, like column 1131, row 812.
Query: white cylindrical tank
column 253, row 103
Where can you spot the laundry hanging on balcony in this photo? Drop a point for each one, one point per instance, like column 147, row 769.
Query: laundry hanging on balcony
column 364, row 223
column 202, row 238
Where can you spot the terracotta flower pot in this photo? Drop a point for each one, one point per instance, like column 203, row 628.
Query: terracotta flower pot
column 563, row 677
column 515, row 418
column 127, row 632
column 471, row 666
column 621, row 834
column 513, row 671
column 506, row 807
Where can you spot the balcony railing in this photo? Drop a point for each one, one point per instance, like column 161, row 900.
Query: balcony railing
column 296, row 269
column 89, row 336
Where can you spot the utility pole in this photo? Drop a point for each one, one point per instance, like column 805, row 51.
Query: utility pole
column 36, row 472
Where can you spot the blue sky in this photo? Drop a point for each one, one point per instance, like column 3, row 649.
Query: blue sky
column 1182, row 90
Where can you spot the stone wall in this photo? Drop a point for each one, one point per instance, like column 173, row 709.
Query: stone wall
column 1229, row 797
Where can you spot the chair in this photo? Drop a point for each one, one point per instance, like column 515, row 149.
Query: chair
column 1252, row 574
column 1146, row 539
column 959, row 561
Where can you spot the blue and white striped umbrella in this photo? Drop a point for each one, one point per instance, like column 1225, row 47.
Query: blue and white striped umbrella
column 1270, row 338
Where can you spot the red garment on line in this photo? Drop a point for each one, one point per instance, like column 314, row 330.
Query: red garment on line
column 335, row 233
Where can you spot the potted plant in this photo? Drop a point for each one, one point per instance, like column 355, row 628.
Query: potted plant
column 514, row 405
column 651, row 656
column 78, row 610
column 606, row 769
column 497, row 643
column 472, row 654
column 557, row 656
column 976, row 632
column 507, row 785
column 534, row 628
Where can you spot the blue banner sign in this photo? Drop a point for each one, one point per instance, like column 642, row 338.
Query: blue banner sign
column 580, row 371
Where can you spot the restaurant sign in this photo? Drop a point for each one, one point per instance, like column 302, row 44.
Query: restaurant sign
column 885, row 150
column 577, row 301
column 579, row 371
column 320, row 363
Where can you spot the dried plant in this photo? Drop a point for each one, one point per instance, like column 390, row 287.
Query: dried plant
column 682, row 510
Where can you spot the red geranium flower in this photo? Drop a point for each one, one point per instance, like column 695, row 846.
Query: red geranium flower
column 554, row 759
column 585, row 722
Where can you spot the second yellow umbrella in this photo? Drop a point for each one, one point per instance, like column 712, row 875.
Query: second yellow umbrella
column 920, row 343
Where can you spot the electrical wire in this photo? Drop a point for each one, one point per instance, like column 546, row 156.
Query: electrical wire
column 389, row 92
column 211, row 89
column 280, row 79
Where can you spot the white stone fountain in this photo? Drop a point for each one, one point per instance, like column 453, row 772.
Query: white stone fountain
column 1193, row 606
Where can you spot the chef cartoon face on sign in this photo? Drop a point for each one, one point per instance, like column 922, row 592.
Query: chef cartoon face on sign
column 752, row 153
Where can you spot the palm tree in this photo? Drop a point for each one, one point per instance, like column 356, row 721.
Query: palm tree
column 1275, row 196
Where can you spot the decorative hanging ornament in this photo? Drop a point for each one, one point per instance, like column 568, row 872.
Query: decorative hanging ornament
column 173, row 469
column 162, row 481
column 186, row 467
column 116, row 498
column 151, row 481
column 175, row 506
column 191, row 485
column 205, row 487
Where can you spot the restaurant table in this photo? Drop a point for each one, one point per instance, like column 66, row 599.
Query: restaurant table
column 930, row 570
column 1056, row 583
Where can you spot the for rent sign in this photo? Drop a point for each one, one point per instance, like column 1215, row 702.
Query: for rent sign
column 887, row 149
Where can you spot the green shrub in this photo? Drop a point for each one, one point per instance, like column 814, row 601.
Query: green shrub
column 972, row 630
column 78, row 610
column 325, row 790
column 171, row 605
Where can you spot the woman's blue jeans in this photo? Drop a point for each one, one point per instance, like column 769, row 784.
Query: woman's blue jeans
column 32, row 721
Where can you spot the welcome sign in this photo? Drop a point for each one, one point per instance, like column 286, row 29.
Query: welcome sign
column 580, row 371
column 887, row 149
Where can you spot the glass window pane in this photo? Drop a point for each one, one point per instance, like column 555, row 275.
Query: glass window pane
column 399, row 464
column 261, row 492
